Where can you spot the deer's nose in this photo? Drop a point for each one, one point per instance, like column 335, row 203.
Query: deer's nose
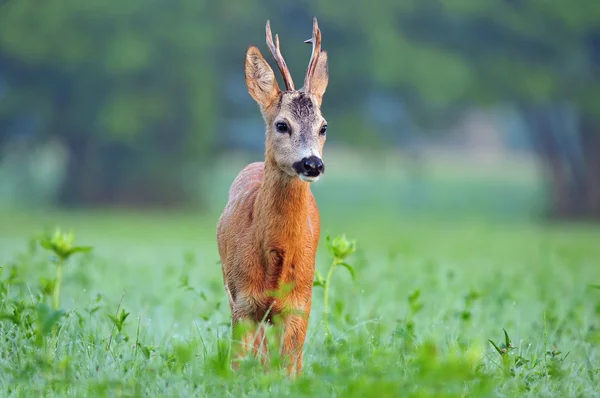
column 312, row 166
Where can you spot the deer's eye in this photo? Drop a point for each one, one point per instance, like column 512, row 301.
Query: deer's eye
column 323, row 130
column 282, row 127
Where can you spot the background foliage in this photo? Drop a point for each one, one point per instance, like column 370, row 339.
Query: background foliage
column 142, row 97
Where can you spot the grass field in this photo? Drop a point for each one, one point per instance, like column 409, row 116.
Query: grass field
column 428, row 296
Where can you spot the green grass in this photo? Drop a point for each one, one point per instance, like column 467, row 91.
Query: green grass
column 145, row 312
column 416, row 321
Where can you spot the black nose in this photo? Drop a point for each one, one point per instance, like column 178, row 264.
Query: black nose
column 313, row 166
column 310, row 167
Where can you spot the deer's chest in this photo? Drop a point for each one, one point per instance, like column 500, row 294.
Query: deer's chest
column 289, row 265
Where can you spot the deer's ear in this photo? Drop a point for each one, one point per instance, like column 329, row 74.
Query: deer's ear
column 260, row 78
column 320, row 78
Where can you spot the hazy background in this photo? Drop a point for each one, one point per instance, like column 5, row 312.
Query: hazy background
column 440, row 108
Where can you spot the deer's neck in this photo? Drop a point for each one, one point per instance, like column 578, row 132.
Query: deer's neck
column 281, row 210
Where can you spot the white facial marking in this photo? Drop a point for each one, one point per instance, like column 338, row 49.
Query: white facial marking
column 308, row 152
column 308, row 179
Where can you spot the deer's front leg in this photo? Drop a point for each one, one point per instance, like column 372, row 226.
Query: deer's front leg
column 248, row 335
column 294, row 336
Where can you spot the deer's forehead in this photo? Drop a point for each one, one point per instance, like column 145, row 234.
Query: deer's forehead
column 299, row 106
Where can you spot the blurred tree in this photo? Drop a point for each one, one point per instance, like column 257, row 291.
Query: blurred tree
column 137, row 89
column 543, row 56
column 128, row 87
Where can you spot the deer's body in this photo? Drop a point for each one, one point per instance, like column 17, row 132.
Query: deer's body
column 266, row 243
column 269, row 230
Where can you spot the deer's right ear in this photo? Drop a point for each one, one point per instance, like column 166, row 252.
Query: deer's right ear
column 260, row 78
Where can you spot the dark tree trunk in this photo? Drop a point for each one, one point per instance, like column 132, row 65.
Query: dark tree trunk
column 554, row 166
column 590, row 138
column 590, row 134
column 571, row 163
column 3, row 135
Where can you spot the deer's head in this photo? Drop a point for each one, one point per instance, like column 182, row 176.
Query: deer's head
column 295, row 126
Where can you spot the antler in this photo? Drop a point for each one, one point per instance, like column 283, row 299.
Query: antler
column 276, row 52
column 314, row 58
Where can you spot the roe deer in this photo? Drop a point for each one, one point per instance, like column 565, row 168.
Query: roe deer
column 269, row 231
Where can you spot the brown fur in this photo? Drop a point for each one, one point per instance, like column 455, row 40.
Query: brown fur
column 269, row 231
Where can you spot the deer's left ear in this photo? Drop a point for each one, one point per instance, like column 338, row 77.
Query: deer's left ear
column 320, row 78
column 260, row 78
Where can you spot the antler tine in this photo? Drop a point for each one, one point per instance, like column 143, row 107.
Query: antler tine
column 316, row 51
column 276, row 52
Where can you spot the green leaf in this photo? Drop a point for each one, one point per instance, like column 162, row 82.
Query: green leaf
column 318, row 283
column 10, row 317
column 497, row 348
column 46, row 244
column 350, row 269
column 119, row 320
column 52, row 320
column 81, row 249
column 184, row 281
column 46, row 319
column 506, row 339
column 414, row 296
column 319, row 276
column 48, row 286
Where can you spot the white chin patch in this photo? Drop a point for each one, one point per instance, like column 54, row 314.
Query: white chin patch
column 308, row 179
